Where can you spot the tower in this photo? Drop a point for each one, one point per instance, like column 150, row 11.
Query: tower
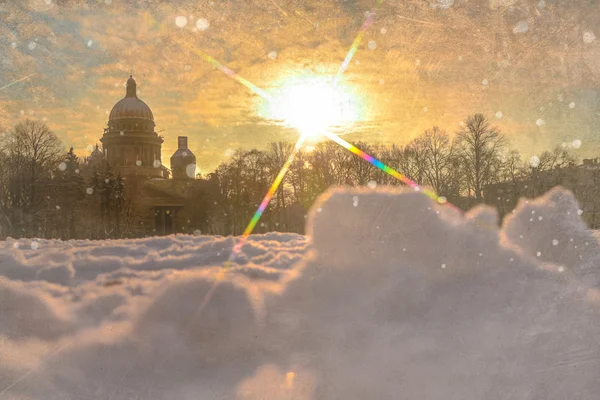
column 183, row 161
column 131, row 146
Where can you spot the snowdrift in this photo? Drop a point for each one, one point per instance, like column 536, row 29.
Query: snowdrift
column 392, row 297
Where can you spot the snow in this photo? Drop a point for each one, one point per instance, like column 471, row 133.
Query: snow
column 395, row 298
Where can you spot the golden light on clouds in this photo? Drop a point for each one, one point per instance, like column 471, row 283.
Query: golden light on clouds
column 421, row 63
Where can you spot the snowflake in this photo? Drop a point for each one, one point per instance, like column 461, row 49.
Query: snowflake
column 521, row 27
column 202, row 24
column 181, row 21
column 589, row 37
column 534, row 161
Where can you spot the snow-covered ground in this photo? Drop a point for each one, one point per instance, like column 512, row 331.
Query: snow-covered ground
column 393, row 297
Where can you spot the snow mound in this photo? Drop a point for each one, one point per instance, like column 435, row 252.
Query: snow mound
column 396, row 297
column 550, row 229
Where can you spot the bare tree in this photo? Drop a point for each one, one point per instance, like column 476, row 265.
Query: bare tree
column 435, row 153
column 31, row 151
column 550, row 170
column 480, row 148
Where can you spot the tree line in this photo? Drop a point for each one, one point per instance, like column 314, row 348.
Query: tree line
column 46, row 191
column 457, row 166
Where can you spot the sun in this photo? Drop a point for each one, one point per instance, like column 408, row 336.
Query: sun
column 313, row 105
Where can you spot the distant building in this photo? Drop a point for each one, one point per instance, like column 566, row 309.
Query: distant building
column 131, row 148
column 583, row 180
column 130, row 144
column 183, row 162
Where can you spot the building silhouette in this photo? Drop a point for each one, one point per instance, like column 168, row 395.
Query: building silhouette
column 132, row 149
column 130, row 144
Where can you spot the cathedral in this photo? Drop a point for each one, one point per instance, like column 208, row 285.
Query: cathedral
column 131, row 148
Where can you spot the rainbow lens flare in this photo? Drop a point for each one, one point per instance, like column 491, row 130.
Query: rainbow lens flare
column 388, row 170
column 357, row 41
column 265, row 202
column 228, row 72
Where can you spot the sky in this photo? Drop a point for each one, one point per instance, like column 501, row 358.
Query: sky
column 532, row 67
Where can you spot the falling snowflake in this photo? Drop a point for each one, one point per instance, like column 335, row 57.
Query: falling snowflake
column 540, row 122
column 383, row 31
column 443, row 4
column 372, row 45
column 181, row 21
column 579, row 212
column 534, row 161
column 157, row 164
column 34, row 245
column 442, row 200
column 89, row 190
column 272, row 55
column 202, row 24
column 589, row 37
column 32, row 45
column 539, row 253
column 443, row 265
column 572, row 104
column 521, row 27
column 485, row 82
column 62, row 166
column 122, row 133
column 355, row 201
column 138, row 163
column 372, row 184
column 90, row 43
column 190, row 170
column 499, row 114
column 576, row 143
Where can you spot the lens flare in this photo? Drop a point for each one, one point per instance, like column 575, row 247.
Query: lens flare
column 313, row 105
column 265, row 202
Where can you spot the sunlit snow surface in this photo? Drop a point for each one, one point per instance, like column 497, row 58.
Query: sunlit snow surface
column 396, row 297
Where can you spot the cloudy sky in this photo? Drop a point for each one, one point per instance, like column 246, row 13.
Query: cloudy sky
column 533, row 67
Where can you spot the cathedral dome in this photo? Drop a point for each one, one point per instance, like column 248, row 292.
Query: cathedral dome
column 130, row 106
